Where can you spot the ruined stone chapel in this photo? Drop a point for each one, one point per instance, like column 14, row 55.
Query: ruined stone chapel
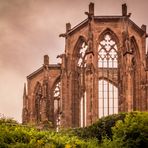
column 103, row 71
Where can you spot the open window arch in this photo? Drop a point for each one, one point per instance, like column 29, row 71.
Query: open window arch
column 38, row 97
column 80, row 50
column 57, row 101
column 79, row 97
column 108, row 73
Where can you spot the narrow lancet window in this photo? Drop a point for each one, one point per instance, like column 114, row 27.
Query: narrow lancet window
column 81, row 64
column 57, row 104
column 38, row 98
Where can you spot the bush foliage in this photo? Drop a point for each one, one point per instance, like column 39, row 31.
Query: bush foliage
column 133, row 131
column 125, row 130
column 100, row 129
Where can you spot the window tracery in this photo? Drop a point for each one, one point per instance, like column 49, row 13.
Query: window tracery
column 57, row 90
column 107, row 54
column 107, row 63
column 81, row 54
column 57, row 104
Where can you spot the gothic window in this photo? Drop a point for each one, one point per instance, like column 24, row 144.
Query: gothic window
column 107, row 64
column 81, row 54
column 56, row 96
column 38, row 96
column 81, row 82
column 57, row 90
column 57, row 103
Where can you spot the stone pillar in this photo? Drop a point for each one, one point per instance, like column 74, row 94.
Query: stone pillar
column 46, row 60
column 66, row 81
column 91, row 107
column 124, row 10
column 25, row 107
column 128, row 83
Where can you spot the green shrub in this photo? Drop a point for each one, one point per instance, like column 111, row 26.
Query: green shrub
column 133, row 131
column 25, row 137
column 101, row 128
column 128, row 130
column 4, row 120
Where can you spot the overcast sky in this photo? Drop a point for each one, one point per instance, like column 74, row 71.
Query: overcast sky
column 29, row 29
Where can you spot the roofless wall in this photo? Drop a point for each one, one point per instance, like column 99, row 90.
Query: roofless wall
column 103, row 71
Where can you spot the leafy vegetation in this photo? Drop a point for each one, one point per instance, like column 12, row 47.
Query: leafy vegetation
column 100, row 129
column 126, row 130
column 133, row 131
column 18, row 136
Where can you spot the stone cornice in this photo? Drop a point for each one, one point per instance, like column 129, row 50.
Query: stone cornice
column 106, row 19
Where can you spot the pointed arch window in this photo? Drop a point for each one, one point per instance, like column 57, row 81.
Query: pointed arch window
column 38, row 97
column 81, row 64
column 57, row 90
column 108, row 76
column 57, row 104
column 56, row 95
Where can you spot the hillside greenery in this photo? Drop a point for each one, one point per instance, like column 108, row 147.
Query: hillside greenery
column 124, row 130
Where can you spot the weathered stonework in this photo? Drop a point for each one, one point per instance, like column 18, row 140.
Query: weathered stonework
column 67, row 94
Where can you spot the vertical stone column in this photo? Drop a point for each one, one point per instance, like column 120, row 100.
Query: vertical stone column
column 146, row 84
column 45, row 91
column 25, row 107
column 89, row 83
column 127, row 80
column 143, row 72
column 66, row 81
column 128, row 83
column 146, row 99
column 90, row 80
column 44, row 102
